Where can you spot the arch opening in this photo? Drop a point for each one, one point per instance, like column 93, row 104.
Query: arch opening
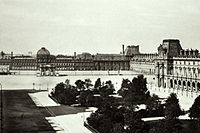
column 171, row 83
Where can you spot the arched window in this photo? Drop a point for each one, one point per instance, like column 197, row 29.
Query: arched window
column 198, row 86
column 193, row 84
column 175, row 82
column 188, row 83
column 184, row 84
column 179, row 82
column 171, row 83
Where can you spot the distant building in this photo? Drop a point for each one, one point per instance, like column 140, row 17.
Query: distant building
column 111, row 62
column 48, row 64
column 23, row 63
column 5, row 61
column 177, row 68
column 132, row 50
column 173, row 66
column 141, row 62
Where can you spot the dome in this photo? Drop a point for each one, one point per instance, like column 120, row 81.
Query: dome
column 43, row 51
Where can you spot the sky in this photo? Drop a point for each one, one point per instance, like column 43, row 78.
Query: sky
column 96, row 26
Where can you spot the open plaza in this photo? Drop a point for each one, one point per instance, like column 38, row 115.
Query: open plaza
column 24, row 93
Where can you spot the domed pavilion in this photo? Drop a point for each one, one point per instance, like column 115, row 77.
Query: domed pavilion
column 44, row 62
column 43, row 55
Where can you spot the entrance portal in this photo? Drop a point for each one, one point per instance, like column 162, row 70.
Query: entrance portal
column 47, row 70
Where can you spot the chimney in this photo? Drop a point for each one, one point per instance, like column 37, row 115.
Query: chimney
column 74, row 54
column 11, row 54
column 123, row 49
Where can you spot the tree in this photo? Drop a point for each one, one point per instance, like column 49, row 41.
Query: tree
column 194, row 111
column 140, row 85
column 65, row 94
column 106, row 104
column 80, row 84
column 58, row 89
column 125, row 86
column 154, row 108
column 108, row 117
column 2, row 53
column 97, row 83
column 107, row 89
column 193, row 126
column 110, row 85
column 134, row 92
column 153, row 102
column 86, row 98
column 88, row 83
column 172, row 112
column 134, row 123
column 167, row 126
column 100, row 122
column 67, row 82
column 172, row 107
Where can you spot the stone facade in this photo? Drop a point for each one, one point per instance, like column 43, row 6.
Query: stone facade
column 177, row 68
column 45, row 62
column 143, row 63
column 111, row 62
column 173, row 66
column 23, row 63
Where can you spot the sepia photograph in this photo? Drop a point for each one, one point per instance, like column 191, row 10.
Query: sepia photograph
column 99, row 66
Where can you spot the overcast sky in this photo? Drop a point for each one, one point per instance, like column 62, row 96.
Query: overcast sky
column 96, row 26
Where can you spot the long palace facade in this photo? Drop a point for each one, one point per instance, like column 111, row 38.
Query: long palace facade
column 173, row 66
column 45, row 62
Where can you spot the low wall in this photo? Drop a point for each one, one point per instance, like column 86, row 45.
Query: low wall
column 18, row 72
column 96, row 72
column 90, row 128
column 23, row 72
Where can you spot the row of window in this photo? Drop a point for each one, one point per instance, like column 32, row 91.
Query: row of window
column 64, row 68
column 65, row 64
column 24, row 64
column 187, row 62
column 24, row 61
column 148, row 63
column 4, row 63
column 24, row 68
column 113, row 63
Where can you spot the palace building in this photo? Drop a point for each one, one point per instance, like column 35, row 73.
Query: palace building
column 177, row 68
column 172, row 66
column 48, row 64
column 143, row 63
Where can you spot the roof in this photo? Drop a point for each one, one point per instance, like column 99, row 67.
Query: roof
column 43, row 51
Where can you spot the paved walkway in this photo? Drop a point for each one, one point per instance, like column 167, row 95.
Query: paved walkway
column 64, row 119
column 20, row 114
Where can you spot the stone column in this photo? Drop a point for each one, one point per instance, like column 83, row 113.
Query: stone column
column 157, row 69
column 162, row 75
column 182, row 87
column 196, row 87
